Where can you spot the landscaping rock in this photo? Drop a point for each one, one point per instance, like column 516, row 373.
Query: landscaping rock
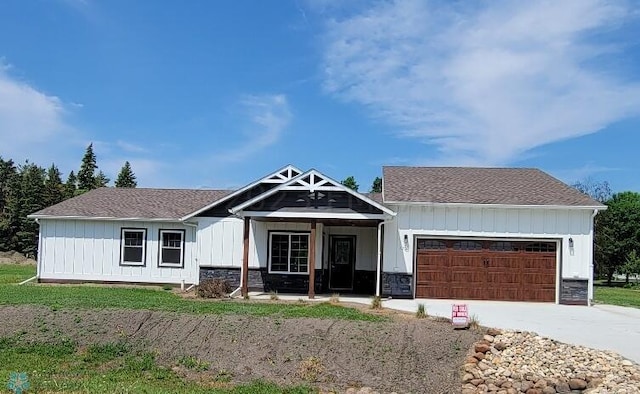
column 512, row 362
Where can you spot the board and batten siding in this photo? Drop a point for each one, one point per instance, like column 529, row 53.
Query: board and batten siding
column 89, row 250
column 483, row 222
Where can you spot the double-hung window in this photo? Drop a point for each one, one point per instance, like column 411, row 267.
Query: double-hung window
column 288, row 252
column 171, row 248
column 133, row 246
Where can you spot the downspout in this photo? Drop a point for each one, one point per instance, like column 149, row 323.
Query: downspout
column 239, row 289
column 593, row 240
column 195, row 236
column 39, row 261
column 379, row 260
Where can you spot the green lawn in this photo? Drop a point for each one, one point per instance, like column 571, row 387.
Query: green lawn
column 86, row 297
column 60, row 366
column 617, row 296
column 14, row 273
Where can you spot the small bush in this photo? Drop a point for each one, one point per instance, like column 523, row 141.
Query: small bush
column 310, row 369
column 273, row 296
column 167, row 287
column 213, row 288
column 421, row 313
column 376, row 302
column 335, row 298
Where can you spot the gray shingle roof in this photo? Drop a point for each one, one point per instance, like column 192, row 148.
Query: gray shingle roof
column 504, row 186
column 135, row 203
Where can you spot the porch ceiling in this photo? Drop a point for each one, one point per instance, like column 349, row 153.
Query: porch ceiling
column 326, row 222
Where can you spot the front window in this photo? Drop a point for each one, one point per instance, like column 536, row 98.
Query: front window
column 171, row 248
column 289, row 252
column 133, row 246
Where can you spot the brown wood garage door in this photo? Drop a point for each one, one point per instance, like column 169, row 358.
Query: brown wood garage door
column 504, row 270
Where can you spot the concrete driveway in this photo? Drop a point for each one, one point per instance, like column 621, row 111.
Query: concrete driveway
column 605, row 327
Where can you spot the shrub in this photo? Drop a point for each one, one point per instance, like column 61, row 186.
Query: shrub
column 273, row 296
column 474, row 322
column 335, row 298
column 421, row 313
column 213, row 288
column 376, row 302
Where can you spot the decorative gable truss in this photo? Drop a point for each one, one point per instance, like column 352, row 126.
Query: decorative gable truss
column 281, row 176
column 312, row 181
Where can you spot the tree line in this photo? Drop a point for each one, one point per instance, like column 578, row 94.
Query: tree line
column 616, row 231
column 27, row 188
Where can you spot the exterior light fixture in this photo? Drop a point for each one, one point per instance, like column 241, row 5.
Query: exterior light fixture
column 571, row 243
column 406, row 242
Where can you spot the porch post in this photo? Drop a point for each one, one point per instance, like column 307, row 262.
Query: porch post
column 245, row 258
column 312, row 260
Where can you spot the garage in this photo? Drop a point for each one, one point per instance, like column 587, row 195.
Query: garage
column 473, row 269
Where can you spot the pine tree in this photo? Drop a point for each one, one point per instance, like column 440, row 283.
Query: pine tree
column 8, row 180
column 86, row 175
column 376, row 187
column 71, row 186
column 101, row 180
column 27, row 196
column 350, row 182
column 126, row 177
column 54, row 189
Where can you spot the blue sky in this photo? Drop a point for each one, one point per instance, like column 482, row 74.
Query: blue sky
column 218, row 93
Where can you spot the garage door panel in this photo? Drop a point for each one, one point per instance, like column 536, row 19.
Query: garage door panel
column 510, row 270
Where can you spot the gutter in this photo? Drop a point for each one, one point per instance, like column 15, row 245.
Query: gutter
column 479, row 205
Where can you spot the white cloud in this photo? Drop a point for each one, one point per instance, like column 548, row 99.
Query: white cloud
column 484, row 85
column 268, row 115
column 33, row 123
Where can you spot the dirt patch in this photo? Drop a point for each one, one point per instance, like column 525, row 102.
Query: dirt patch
column 401, row 355
column 15, row 258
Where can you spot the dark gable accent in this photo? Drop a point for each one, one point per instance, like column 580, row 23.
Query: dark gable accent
column 303, row 200
column 222, row 210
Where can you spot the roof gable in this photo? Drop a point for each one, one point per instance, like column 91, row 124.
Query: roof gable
column 311, row 181
column 267, row 182
column 464, row 185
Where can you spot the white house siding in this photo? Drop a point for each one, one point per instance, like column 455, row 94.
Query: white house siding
column 220, row 242
column 89, row 250
column 481, row 222
column 366, row 244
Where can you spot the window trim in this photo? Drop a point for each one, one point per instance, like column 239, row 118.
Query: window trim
column 143, row 263
column 183, row 234
column 289, row 233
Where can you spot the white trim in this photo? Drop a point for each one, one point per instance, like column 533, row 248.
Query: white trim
column 313, row 215
column 289, row 234
column 312, row 174
column 509, row 206
column 183, row 235
column 266, row 179
column 122, row 246
column 107, row 218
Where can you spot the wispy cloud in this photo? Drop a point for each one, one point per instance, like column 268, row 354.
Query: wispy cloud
column 483, row 84
column 32, row 122
column 268, row 116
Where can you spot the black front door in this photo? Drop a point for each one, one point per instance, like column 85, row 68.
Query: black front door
column 342, row 258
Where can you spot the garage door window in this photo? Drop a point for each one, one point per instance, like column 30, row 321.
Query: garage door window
column 431, row 244
column 544, row 247
column 503, row 246
column 467, row 245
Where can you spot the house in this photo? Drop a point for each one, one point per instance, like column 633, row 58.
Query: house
column 510, row 234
